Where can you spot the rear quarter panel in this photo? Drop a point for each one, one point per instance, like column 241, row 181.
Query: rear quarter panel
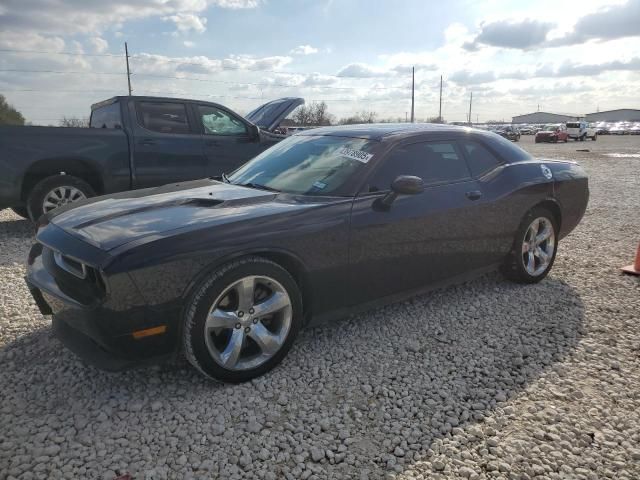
column 571, row 190
column 25, row 150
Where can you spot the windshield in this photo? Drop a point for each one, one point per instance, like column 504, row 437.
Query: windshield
column 306, row 164
column 550, row 128
column 573, row 125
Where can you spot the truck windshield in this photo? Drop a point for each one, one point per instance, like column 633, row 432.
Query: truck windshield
column 107, row 116
column 306, row 164
column 573, row 125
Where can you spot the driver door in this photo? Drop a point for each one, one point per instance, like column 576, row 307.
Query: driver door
column 420, row 239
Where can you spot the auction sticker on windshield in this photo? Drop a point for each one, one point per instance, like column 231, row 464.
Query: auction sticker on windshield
column 359, row 155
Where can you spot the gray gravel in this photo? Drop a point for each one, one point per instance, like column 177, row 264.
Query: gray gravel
column 482, row 380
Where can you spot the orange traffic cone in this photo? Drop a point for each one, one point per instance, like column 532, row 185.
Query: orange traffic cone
column 635, row 268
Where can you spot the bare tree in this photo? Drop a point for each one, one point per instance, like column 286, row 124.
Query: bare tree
column 74, row 122
column 360, row 117
column 315, row 114
column 436, row 120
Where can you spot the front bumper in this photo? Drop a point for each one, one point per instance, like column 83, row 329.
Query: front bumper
column 100, row 331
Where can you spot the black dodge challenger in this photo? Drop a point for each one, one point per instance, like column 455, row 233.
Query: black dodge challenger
column 326, row 223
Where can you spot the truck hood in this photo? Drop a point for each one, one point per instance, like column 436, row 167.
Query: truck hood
column 114, row 220
column 271, row 114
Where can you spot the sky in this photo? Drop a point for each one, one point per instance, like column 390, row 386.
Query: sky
column 58, row 57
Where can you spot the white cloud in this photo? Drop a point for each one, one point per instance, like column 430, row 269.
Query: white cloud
column 303, row 50
column 189, row 44
column 361, row 70
column 53, row 17
column 188, row 22
column 98, row 45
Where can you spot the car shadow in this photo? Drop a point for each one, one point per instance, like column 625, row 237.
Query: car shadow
column 401, row 376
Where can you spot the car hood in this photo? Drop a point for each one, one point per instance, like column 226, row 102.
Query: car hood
column 111, row 221
column 546, row 133
column 271, row 114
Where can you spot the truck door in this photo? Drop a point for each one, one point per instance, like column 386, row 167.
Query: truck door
column 167, row 147
column 227, row 140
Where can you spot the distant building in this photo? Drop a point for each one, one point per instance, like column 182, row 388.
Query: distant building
column 620, row 115
column 544, row 117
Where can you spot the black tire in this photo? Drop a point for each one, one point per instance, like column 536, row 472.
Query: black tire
column 514, row 268
column 595, row 137
column 21, row 212
column 194, row 343
column 36, row 196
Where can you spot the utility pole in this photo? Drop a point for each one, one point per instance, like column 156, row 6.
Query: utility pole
column 470, row 102
column 126, row 53
column 440, row 110
column 413, row 91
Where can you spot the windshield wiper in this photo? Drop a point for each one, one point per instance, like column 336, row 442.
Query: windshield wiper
column 225, row 179
column 259, row 187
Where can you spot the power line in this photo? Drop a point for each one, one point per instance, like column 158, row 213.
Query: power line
column 9, row 50
column 196, row 79
column 63, row 72
column 181, row 62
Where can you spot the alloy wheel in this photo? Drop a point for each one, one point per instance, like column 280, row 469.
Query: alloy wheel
column 538, row 246
column 248, row 323
column 61, row 196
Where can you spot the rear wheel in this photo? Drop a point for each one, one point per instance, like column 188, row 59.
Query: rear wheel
column 54, row 192
column 242, row 320
column 534, row 248
column 20, row 211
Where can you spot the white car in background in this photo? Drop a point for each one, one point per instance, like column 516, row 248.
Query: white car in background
column 580, row 130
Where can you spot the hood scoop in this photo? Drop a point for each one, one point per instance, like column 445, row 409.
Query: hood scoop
column 184, row 202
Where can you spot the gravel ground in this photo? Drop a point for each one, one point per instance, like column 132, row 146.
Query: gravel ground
column 483, row 380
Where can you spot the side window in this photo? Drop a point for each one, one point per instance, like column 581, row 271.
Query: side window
column 480, row 159
column 163, row 117
column 107, row 116
column 434, row 162
column 219, row 122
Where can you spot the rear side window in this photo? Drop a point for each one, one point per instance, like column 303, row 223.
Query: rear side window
column 106, row 117
column 163, row 117
column 480, row 159
column 434, row 162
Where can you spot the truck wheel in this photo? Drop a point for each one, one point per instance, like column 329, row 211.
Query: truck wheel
column 582, row 138
column 594, row 138
column 20, row 211
column 56, row 191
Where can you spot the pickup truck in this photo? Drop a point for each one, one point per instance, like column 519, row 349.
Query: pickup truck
column 581, row 131
column 133, row 142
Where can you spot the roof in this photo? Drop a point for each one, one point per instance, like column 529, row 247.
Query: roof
column 379, row 131
column 150, row 98
column 550, row 113
column 615, row 110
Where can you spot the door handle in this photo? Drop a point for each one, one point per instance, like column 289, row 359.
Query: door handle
column 474, row 194
column 147, row 142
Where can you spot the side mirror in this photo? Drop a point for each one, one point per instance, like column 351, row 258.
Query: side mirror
column 402, row 185
column 254, row 131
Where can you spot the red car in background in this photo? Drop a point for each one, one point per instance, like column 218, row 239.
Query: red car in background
column 552, row 133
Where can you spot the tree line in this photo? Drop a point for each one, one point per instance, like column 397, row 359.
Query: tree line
column 315, row 114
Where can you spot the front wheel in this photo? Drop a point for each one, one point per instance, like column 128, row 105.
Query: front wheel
column 594, row 138
column 242, row 320
column 534, row 248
